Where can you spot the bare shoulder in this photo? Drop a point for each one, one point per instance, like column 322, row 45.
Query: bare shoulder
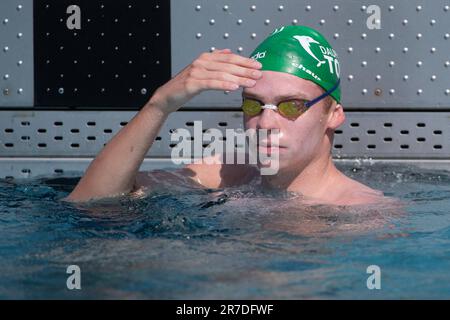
column 358, row 197
column 356, row 193
column 206, row 173
column 219, row 175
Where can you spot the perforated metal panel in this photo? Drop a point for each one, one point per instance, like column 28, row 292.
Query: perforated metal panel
column 394, row 135
column 76, row 134
column 405, row 64
column 16, row 53
column 117, row 58
column 369, row 134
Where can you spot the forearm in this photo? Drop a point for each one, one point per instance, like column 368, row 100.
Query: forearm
column 114, row 170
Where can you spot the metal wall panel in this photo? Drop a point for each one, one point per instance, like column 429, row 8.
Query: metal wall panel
column 16, row 53
column 403, row 65
column 424, row 135
column 82, row 134
column 116, row 59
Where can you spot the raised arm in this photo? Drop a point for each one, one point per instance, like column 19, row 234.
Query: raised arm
column 113, row 172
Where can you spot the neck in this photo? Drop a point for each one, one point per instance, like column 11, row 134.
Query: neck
column 313, row 181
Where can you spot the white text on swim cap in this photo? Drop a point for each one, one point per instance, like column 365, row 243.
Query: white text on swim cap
column 331, row 64
column 328, row 51
column 331, row 56
column 303, row 68
column 259, row 55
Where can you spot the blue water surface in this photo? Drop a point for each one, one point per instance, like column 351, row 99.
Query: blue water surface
column 233, row 243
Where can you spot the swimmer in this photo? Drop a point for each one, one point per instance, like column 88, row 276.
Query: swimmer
column 290, row 82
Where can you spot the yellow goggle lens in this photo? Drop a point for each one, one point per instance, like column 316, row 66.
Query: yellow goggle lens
column 288, row 109
column 251, row 107
column 291, row 109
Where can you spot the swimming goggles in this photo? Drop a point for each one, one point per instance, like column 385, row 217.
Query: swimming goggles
column 291, row 109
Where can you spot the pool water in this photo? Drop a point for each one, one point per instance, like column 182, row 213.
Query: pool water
column 233, row 243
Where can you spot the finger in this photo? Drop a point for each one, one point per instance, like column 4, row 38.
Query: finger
column 232, row 58
column 225, row 76
column 233, row 69
column 217, row 85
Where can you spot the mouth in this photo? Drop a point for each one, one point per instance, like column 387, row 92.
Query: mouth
column 270, row 148
column 268, row 144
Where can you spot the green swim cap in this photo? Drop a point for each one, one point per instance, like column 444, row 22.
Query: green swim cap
column 303, row 52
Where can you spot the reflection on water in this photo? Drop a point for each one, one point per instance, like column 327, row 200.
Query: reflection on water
column 239, row 242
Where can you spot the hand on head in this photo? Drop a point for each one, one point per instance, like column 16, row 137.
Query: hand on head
column 219, row 70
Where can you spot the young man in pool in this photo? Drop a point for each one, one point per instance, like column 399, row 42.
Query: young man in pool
column 293, row 65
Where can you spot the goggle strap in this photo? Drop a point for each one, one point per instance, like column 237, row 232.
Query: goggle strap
column 310, row 103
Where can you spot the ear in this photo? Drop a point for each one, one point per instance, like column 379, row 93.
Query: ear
column 336, row 116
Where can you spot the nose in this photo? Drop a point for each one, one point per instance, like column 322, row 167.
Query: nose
column 267, row 119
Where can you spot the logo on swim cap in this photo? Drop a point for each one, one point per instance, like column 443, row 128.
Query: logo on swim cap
column 305, row 42
column 327, row 53
column 303, row 52
column 259, row 55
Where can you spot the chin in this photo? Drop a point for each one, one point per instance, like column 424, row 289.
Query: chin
column 269, row 167
column 277, row 166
